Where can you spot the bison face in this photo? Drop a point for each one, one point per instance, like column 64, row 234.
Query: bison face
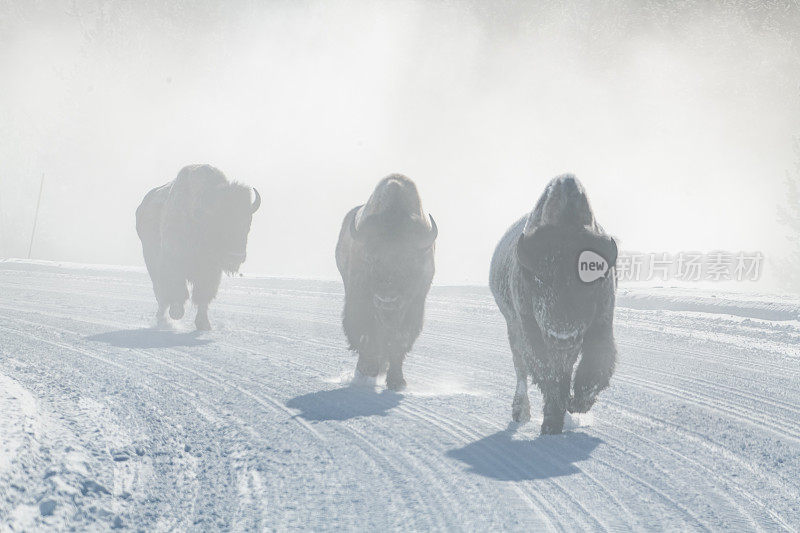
column 228, row 213
column 397, row 263
column 397, row 275
column 563, row 305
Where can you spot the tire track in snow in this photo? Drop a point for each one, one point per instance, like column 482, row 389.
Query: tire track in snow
column 174, row 366
column 481, row 344
column 791, row 408
column 485, row 345
column 283, row 311
column 716, row 449
column 265, row 401
column 625, row 473
column 443, row 510
column 636, row 479
column 629, row 474
column 434, row 419
column 384, row 460
column 453, row 501
column 86, row 353
column 273, row 405
column 466, row 436
column 712, row 475
column 708, row 401
column 705, row 401
column 745, row 363
column 188, row 392
column 528, row 494
column 217, row 381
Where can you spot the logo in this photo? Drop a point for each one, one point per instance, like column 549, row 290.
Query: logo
column 591, row 266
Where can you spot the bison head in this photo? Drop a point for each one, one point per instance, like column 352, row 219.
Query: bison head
column 397, row 254
column 563, row 304
column 226, row 216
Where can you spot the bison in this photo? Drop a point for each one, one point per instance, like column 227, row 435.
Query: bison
column 553, row 310
column 191, row 230
column 385, row 256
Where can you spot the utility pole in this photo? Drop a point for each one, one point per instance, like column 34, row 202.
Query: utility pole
column 36, row 216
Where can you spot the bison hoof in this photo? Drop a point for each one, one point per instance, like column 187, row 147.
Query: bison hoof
column 202, row 324
column 396, row 383
column 176, row 311
column 552, row 425
column 521, row 410
column 580, row 404
column 361, row 380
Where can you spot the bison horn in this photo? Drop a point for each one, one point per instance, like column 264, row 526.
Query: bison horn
column 256, row 202
column 430, row 237
column 522, row 257
column 353, row 230
column 536, row 242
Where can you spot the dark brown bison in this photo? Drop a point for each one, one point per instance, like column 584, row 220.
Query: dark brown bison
column 191, row 230
column 554, row 311
column 385, row 256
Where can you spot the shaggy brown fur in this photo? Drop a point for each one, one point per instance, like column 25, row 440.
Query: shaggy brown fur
column 385, row 256
column 191, row 230
column 552, row 316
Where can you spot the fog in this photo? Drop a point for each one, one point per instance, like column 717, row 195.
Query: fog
column 678, row 120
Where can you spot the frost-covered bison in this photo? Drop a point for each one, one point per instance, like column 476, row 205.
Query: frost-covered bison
column 385, row 256
column 552, row 275
column 191, row 230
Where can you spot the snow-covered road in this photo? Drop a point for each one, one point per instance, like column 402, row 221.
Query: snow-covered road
column 106, row 423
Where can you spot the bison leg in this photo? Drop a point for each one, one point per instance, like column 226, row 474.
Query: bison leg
column 201, row 321
column 594, row 371
column 394, row 376
column 149, row 231
column 152, row 259
column 521, row 406
column 204, row 289
column 369, row 364
column 152, row 255
column 161, row 315
column 177, row 310
column 556, row 395
column 172, row 286
column 161, row 298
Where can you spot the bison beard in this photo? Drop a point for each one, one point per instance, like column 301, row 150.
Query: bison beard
column 386, row 263
column 191, row 230
column 552, row 316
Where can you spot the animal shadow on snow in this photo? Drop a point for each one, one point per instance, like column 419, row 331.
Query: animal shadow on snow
column 500, row 456
column 149, row 338
column 344, row 403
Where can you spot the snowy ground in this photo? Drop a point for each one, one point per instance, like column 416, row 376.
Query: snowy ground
column 106, row 423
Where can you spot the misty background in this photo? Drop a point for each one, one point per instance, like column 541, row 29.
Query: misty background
column 679, row 119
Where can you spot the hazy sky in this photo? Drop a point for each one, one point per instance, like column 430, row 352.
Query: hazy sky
column 678, row 120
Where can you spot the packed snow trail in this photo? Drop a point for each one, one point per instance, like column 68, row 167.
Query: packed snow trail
column 108, row 423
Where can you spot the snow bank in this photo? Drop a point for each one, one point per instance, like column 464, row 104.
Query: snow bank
column 17, row 418
column 20, row 426
column 720, row 301
column 49, row 479
column 748, row 305
column 41, row 265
